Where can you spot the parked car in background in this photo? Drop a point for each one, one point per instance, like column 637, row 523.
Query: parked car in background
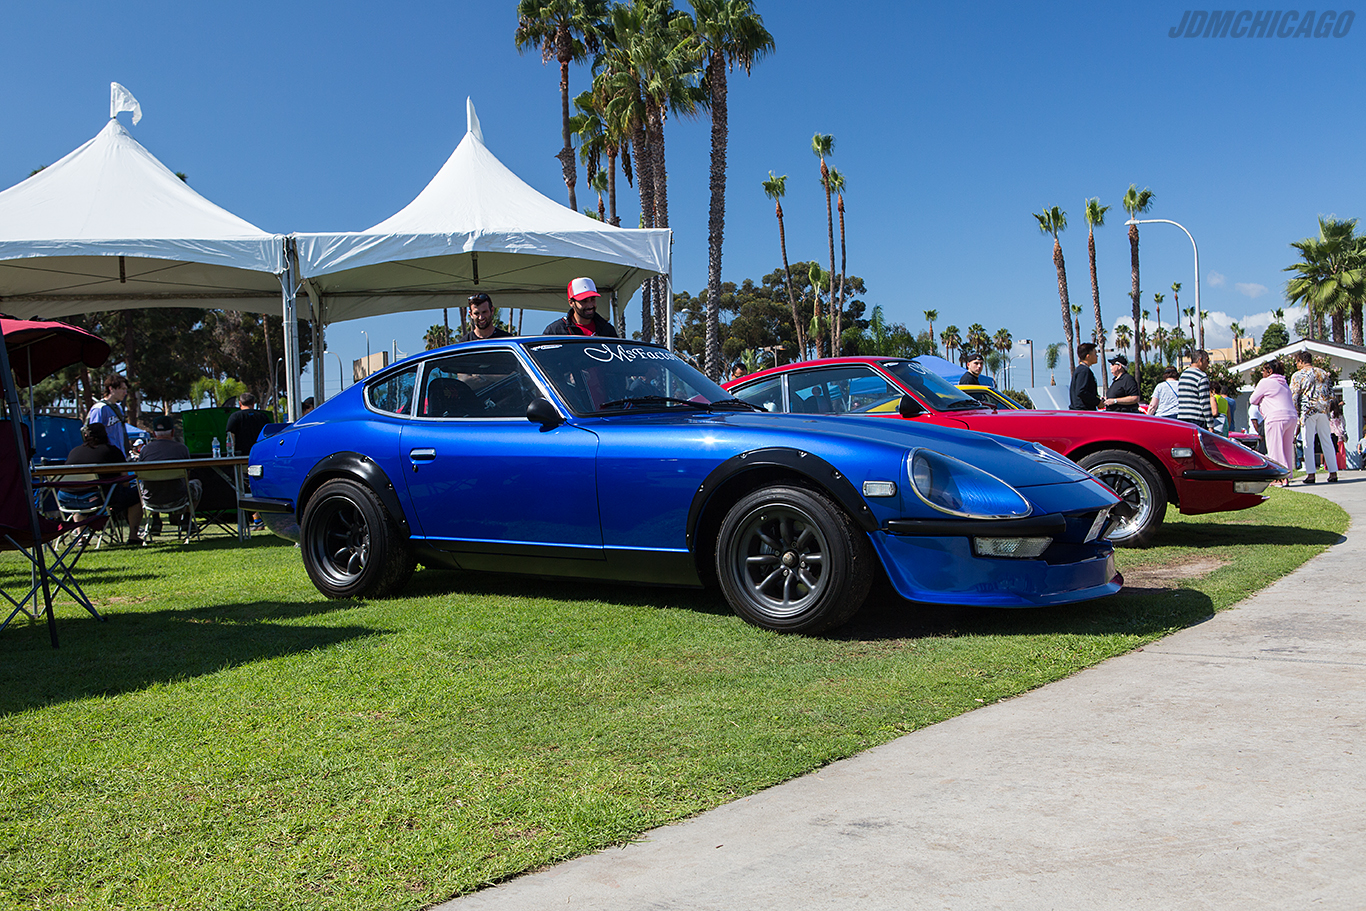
column 1149, row 462
column 602, row 459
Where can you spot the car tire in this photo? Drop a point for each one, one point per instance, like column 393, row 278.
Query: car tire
column 351, row 546
column 789, row 559
column 1135, row 480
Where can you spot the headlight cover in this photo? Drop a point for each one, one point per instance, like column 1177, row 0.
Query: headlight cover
column 959, row 489
column 1228, row 453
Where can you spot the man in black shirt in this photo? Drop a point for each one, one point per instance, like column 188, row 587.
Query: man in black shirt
column 973, row 376
column 582, row 318
column 1082, row 394
column 1123, row 391
column 482, row 323
column 244, row 425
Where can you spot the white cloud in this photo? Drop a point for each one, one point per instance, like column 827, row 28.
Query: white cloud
column 1215, row 280
column 1251, row 289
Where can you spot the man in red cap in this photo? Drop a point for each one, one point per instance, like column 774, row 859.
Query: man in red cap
column 582, row 318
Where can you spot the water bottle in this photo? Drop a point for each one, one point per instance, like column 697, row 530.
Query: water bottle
column 216, row 450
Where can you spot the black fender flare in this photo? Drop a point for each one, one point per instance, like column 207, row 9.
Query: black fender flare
column 820, row 472
column 362, row 468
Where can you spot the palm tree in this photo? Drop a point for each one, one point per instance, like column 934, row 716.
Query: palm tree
column 1190, row 317
column 437, row 337
column 837, row 186
column 951, row 339
column 817, row 277
column 823, row 145
column 1157, row 303
column 1095, row 218
column 774, row 189
column 1329, row 280
column 930, row 317
column 1050, row 360
column 599, row 183
column 731, row 34
column 1076, row 321
column 654, row 58
column 1002, row 341
column 1237, row 334
column 1176, row 300
column 1053, row 221
column 1136, row 202
column 977, row 338
column 1123, row 336
column 566, row 31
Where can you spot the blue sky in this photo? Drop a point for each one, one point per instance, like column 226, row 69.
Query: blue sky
column 953, row 122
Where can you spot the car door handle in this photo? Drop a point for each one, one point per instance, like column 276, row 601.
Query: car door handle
column 422, row 455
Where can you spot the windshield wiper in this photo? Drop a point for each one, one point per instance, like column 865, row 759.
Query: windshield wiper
column 655, row 400
column 737, row 404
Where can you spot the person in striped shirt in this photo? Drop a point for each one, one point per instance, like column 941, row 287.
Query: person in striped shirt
column 1194, row 403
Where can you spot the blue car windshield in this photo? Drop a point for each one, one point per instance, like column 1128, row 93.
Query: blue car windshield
column 610, row 376
column 937, row 392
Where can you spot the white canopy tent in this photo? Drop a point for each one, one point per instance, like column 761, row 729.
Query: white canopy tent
column 109, row 227
column 475, row 227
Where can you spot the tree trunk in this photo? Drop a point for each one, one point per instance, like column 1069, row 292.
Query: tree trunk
column 612, row 187
column 1100, row 324
column 839, row 309
column 830, row 234
column 566, row 155
column 1339, row 328
column 716, row 216
column 1356, row 323
column 1062, row 296
column 130, row 404
column 1133, row 296
column 659, row 174
column 798, row 330
column 645, row 184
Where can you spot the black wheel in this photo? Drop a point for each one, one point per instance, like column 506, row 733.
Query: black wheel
column 351, row 546
column 789, row 559
column 1137, row 482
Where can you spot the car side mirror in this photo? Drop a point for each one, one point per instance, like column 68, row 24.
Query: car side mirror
column 540, row 411
column 909, row 407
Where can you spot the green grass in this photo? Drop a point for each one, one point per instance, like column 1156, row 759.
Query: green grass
column 230, row 739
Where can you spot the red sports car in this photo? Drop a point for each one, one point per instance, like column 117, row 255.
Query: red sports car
column 1148, row 461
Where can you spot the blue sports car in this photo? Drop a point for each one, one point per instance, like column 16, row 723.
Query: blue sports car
column 605, row 459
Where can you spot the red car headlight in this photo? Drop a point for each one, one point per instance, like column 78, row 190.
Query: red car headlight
column 1229, row 454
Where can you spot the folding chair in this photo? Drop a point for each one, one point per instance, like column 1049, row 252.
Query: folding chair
column 86, row 496
column 53, row 561
column 183, row 503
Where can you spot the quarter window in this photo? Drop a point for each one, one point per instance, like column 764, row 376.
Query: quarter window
column 394, row 393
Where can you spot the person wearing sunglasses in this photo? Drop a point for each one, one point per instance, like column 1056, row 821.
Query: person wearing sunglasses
column 482, row 324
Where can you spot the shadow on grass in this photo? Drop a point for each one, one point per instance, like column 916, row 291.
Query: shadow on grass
column 1235, row 534
column 885, row 615
column 136, row 650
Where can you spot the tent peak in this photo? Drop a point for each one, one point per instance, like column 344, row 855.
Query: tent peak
column 472, row 120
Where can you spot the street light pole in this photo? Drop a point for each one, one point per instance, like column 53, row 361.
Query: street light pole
column 1199, row 314
column 367, row 346
column 341, row 375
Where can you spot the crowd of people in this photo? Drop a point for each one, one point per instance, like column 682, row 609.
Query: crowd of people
column 1303, row 405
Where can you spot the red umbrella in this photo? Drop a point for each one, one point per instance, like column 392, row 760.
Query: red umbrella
column 39, row 349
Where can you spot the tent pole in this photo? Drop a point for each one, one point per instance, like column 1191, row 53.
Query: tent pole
column 290, row 318
column 318, row 349
column 669, row 298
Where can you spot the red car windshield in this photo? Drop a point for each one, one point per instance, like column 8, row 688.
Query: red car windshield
column 933, row 389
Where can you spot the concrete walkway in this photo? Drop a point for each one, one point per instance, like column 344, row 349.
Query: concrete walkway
column 1222, row 767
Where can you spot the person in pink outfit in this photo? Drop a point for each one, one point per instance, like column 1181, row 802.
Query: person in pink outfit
column 1272, row 397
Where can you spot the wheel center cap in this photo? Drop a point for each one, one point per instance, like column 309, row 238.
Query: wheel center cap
column 789, row 559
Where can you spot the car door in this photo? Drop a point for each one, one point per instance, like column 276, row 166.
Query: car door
column 484, row 480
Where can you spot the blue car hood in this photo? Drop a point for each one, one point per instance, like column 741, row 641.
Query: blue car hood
column 1013, row 461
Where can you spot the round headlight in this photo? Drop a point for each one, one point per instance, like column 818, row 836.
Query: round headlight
column 960, row 489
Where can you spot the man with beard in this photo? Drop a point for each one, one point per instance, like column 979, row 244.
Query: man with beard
column 482, row 324
column 582, row 318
